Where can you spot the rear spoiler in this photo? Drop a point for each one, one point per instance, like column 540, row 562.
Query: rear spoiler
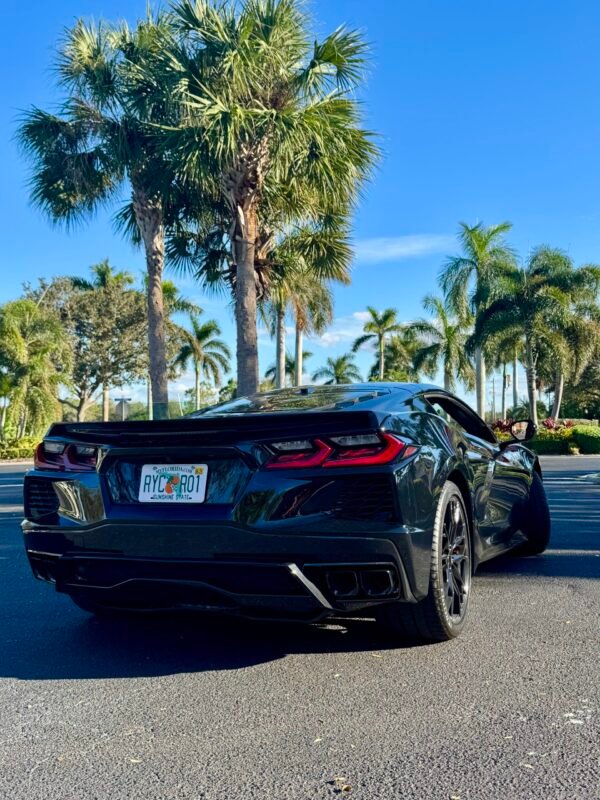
column 215, row 430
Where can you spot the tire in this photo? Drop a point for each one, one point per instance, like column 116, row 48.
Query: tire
column 442, row 614
column 536, row 523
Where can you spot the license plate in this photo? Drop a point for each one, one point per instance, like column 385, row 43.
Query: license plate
column 173, row 483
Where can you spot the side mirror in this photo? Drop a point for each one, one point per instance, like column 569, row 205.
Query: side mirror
column 522, row 430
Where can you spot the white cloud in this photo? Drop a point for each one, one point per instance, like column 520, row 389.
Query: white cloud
column 343, row 329
column 397, row 248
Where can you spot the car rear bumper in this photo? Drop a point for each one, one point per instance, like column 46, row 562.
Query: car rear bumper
column 228, row 568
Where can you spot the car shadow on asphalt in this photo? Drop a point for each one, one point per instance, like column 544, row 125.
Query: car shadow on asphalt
column 85, row 647
column 60, row 642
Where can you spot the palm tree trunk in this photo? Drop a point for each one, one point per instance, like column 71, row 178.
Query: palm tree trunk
column 149, row 218
column 298, row 355
column 149, row 398
column 531, row 383
column 559, row 385
column 280, row 346
column 504, row 380
column 480, row 382
column 447, row 381
column 515, row 377
column 245, row 302
column 197, row 374
column 381, row 358
column 105, row 404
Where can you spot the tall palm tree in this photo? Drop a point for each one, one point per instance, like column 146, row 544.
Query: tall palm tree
column 468, row 281
column 208, row 354
column 36, row 353
column 289, row 369
column 338, row 370
column 535, row 302
column 304, row 263
column 104, row 277
column 399, row 353
column 103, row 142
column 376, row 329
column 269, row 129
column 502, row 350
column 570, row 347
column 173, row 303
column 444, row 345
column 6, row 389
column 311, row 301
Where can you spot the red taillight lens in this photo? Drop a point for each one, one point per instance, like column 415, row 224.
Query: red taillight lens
column 343, row 451
column 388, row 449
column 49, row 455
column 64, row 457
column 312, row 456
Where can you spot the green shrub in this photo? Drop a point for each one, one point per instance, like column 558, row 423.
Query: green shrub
column 587, row 439
column 18, row 448
column 557, row 442
column 550, row 446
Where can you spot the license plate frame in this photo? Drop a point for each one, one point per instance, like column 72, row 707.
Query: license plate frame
column 173, row 484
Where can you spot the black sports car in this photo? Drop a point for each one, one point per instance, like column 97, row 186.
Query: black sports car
column 378, row 499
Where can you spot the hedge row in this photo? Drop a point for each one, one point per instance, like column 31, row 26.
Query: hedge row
column 18, row 449
column 587, row 439
column 584, row 439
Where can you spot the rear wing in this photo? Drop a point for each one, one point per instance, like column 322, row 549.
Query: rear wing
column 215, row 429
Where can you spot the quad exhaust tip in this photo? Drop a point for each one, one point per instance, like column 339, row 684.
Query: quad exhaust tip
column 362, row 582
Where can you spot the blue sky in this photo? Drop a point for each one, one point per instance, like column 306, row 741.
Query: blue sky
column 487, row 111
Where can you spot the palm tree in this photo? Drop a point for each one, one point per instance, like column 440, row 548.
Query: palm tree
column 173, row 303
column 35, row 352
column 209, row 354
column 444, row 345
column 229, row 391
column 571, row 347
column 376, row 329
column 338, row 370
column 289, row 370
column 103, row 277
column 469, row 280
column 312, row 306
column 6, row 389
column 303, row 265
column 502, row 350
column 269, row 130
column 535, row 302
column 399, row 353
column 102, row 142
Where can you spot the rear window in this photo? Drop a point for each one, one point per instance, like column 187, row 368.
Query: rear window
column 313, row 398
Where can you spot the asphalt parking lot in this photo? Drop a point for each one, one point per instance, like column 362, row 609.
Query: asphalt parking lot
column 180, row 709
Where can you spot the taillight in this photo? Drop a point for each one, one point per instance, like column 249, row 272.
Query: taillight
column 387, row 449
column 340, row 451
column 311, row 454
column 65, row 457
